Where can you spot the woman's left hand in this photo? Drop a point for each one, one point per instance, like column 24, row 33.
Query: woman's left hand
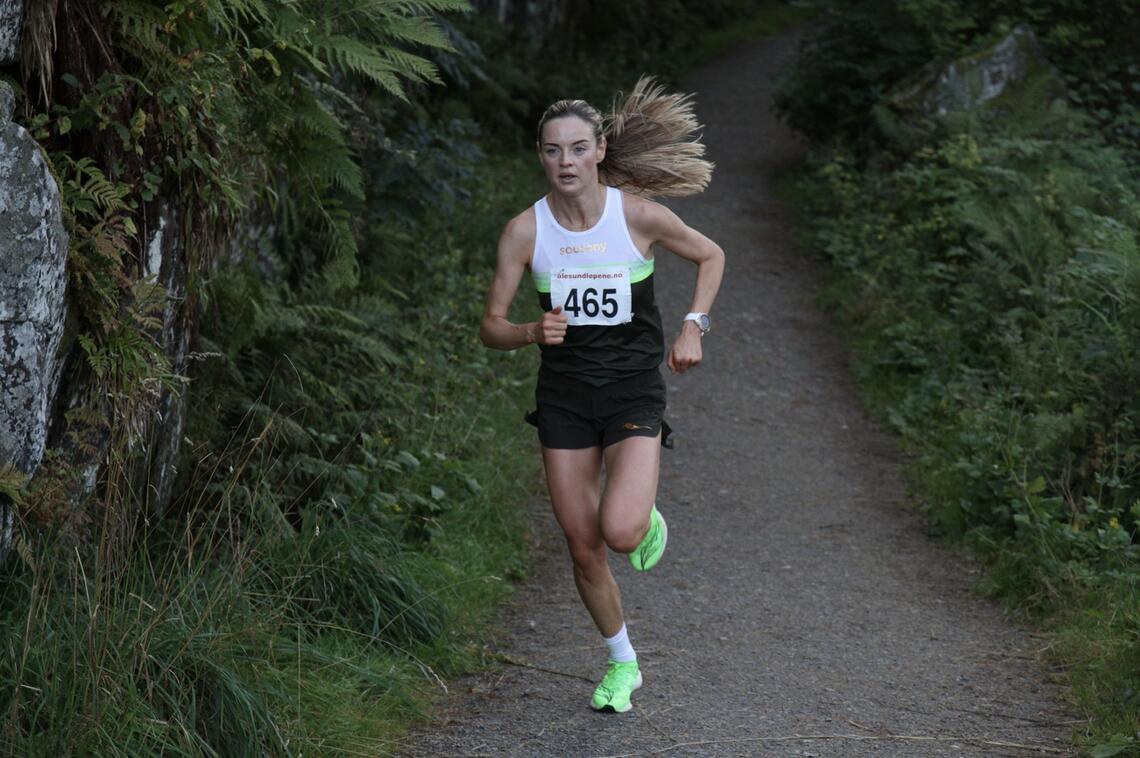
column 686, row 351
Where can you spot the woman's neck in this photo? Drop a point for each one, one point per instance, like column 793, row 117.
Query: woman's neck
column 578, row 212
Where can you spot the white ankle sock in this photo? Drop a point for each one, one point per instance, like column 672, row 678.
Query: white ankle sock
column 619, row 647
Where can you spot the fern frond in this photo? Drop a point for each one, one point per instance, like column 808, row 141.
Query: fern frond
column 139, row 24
column 433, row 6
column 413, row 66
column 87, row 190
column 419, row 30
column 246, row 12
column 315, row 118
column 354, row 56
column 342, row 270
column 331, row 164
column 325, row 153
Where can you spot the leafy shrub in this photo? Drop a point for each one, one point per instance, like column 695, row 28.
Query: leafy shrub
column 863, row 50
column 993, row 275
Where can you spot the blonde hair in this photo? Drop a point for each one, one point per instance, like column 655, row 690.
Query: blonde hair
column 652, row 145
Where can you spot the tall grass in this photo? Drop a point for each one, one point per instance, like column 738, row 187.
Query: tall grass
column 349, row 515
column 312, row 641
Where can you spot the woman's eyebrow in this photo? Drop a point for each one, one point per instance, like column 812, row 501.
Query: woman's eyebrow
column 555, row 144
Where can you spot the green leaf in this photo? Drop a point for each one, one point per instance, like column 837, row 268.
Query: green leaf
column 409, row 460
column 1119, row 744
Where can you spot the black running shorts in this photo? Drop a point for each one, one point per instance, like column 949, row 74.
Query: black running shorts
column 573, row 415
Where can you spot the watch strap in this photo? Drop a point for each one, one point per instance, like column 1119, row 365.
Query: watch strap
column 701, row 320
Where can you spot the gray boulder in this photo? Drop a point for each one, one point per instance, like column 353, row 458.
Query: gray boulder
column 990, row 74
column 33, row 281
column 33, row 284
column 11, row 19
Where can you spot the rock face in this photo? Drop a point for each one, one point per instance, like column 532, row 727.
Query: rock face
column 166, row 267
column 33, row 257
column 33, row 284
column 972, row 81
column 11, row 19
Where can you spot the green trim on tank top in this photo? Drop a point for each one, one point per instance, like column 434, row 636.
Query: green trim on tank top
column 638, row 272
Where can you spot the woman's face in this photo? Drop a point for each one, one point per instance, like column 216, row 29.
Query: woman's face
column 570, row 154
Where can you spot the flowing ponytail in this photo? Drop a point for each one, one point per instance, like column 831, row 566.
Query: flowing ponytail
column 651, row 143
column 652, row 147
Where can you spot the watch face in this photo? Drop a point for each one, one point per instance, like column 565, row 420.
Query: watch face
column 703, row 322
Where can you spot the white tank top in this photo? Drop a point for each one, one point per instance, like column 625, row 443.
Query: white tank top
column 589, row 273
column 605, row 287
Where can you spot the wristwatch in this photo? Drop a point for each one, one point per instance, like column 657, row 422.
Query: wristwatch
column 703, row 321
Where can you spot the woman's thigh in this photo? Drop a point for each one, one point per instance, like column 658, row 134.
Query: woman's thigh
column 632, row 468
column 573, row 477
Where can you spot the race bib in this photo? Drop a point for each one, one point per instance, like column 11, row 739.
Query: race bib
column 592, row 297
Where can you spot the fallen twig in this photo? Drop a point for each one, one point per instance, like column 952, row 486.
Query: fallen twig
column 504, row 658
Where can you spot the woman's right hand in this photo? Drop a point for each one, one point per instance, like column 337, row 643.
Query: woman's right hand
column 551, row 328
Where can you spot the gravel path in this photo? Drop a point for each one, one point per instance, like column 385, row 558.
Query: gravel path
column 800, row 609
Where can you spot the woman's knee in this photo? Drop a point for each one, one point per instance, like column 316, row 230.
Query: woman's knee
column 623, row 535
column 588, row 555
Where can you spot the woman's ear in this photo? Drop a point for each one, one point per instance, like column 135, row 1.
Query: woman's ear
column 602, row 149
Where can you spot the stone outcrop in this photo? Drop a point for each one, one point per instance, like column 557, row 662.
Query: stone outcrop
column 166, row 267
column 33, row 284
column 11, row 20
column 33, row 259
column 49, row 397
column 970, row 82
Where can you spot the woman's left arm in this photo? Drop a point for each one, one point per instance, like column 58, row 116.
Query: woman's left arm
column 655, row 223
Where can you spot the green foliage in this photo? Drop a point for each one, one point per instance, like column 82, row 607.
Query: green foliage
column 182, row 653
column 349, row 516
column 993, row 277
column 989, row 265
column 591, row 50
column 353, row 459
column 864, row 50
column 846, row 67
column 1013, row 260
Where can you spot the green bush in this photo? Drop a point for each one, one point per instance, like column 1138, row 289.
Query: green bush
column 865, row 49
column 992, row 276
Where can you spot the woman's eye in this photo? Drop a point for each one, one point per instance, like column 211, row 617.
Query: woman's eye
column 579, row 150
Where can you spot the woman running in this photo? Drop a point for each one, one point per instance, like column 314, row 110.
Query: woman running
column 600, row 395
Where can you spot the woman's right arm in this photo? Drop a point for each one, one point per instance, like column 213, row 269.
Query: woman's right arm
column 515, row 246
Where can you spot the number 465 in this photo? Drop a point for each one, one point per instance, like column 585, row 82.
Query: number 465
column 589, row 305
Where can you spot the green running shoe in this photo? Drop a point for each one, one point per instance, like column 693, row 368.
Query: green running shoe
column 652, row 545
column 617, row 685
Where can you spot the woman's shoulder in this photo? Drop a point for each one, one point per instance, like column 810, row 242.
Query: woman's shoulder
column 521, row 225
column 519, row 233
column 645, row 215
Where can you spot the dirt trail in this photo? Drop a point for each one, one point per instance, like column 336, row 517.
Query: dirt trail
column 799, row 594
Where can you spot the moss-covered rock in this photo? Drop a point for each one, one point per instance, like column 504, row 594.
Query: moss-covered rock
column 990, row 75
